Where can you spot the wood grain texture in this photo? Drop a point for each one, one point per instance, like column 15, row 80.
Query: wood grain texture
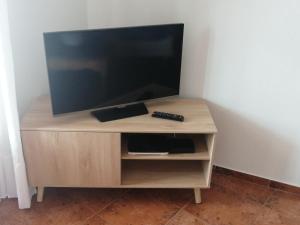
column 195, row 111
column 163, row 174
column 72, row 159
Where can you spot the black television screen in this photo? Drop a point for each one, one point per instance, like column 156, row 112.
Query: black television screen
column 108, row 67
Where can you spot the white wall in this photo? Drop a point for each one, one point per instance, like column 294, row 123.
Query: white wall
column 252, row 81
column 28, row 20
column 244, row 58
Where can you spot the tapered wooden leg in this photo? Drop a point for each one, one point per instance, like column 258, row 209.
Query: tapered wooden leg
column 40, row 194
column 197, row 192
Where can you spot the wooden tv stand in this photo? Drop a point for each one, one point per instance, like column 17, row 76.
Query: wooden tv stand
column 75, row 150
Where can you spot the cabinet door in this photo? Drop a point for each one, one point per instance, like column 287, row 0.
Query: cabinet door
column 72, row 159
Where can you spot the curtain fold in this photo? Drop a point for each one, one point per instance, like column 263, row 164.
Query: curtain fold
column 7, row 176
column 13, row 179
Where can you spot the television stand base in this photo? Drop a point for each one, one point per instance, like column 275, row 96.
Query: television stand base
column 77, row 151
column 116, row 113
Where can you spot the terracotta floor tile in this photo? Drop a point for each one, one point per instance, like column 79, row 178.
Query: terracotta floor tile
column 74, row 214
column 145, row 207
column 284, row 202
column 229, row 202
column 245, row 189
column 95, row 220
column 10, row 213
column 169, row 196
column 45, row 213
column 7, row 206
column 53, row 198
column 186, row 218
column 95, row 198
column 274, row 217
column 41, row 213
column 36, row 216
column 58, row 207
column 220, row 207
column 12, row 221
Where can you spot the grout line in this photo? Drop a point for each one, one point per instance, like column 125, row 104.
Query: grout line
column 179, row 210
column 98, row 212
column 182, row 208
column 104, row 207
column 111, row 202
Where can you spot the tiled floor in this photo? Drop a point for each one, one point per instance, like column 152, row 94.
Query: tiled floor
column 230, row 201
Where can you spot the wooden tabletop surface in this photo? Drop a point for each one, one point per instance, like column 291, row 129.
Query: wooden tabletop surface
column 197, row 119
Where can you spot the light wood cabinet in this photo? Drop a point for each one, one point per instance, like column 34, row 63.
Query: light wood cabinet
column 75, row 150
column 72, row 159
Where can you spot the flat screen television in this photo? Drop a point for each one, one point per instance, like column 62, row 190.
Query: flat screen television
column 115, row 66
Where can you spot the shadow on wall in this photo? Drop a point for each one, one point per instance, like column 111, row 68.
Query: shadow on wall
column 245, row 146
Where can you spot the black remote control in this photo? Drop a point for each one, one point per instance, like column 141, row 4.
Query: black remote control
column 168, row 116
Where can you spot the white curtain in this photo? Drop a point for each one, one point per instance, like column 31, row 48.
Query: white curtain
column 13, row 179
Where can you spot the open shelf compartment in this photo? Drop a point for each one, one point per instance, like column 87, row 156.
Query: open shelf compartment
column 201, row 150
column 163, row 174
